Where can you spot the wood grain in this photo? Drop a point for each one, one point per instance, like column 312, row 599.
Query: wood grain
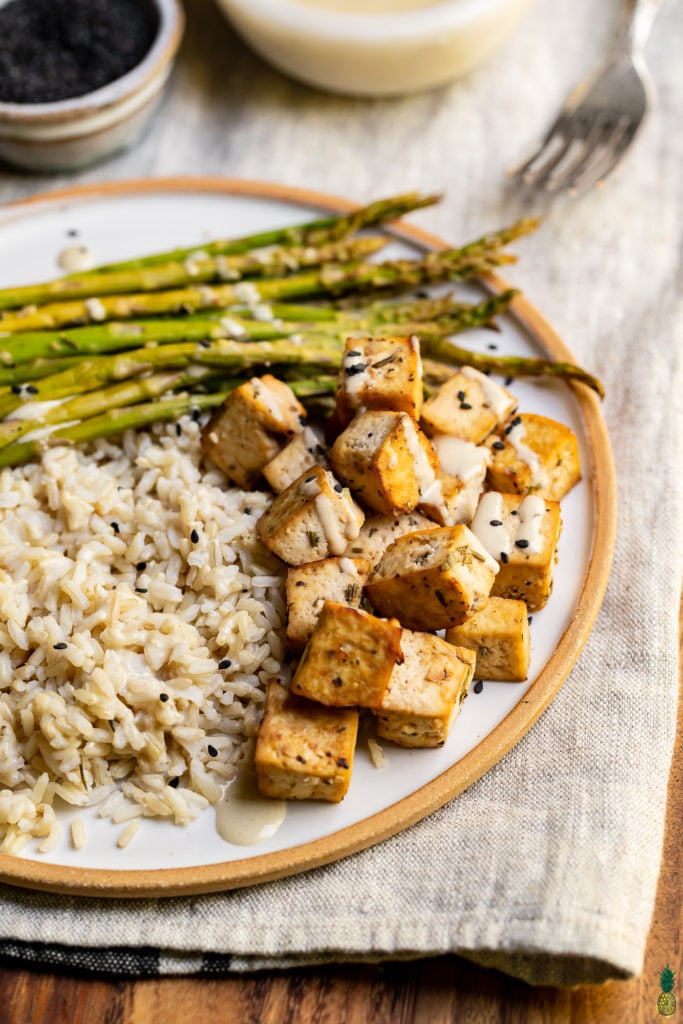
column 438, row 991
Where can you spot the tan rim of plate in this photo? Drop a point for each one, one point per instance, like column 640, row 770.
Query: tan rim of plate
column 393, row 819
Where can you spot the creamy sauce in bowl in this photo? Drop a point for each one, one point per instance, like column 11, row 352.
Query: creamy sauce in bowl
column 369, row 6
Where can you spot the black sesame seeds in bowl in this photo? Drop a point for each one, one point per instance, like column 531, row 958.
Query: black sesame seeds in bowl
column 79, row 79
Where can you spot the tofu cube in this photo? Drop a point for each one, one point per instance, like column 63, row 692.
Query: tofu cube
column 255, row 422
column 303, row 451
column 349, row 658
column 309, row 586
column 313, row 518
column 378, row 532
column 380, row 373
column 469, row 405
column 386, row 460
column 425, row 691
column 534, row 455
column 499, row 637
column 522, row 534
column 304, row 751
column 433, row 579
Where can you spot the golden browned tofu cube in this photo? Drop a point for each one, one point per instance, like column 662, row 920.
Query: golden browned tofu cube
column 433, row 579
column 380, row 373
column 386, row 460
column 469, row 405
column 303, row 451
column 522, row 534
column 425, row 691
column 309, row 586
column 378, row 532
column 304, row 751
column 534, row 455
column 313, row 518
column 251, row 427
column 349, row 658
column 499, row 637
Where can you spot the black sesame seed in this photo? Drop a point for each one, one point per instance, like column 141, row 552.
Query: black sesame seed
column 351, row 371
column 338, row 488
column 72, row 233
column 196, row 415
column 353, row 352
column 498, row 445
column 141, row 566
column 492, row 346
column 496, row 522
column 178, row 430
column 461, row 396
column 194, row 536
column 517, row 420
column 141, row 590
column 116, row 528
column 522, row 543
column 465, row 405
column 225, row 663
column 504, row 557
column 163, row 697
column 478, row 686
column 514, row 512
column 32, row 389
column 211, row 750
column 529, row 619
column 16, row 389
column 508, row 381
column 247, row 511
column 204, row 343
column 60, row 646
column 303, row 419
column 173, row 783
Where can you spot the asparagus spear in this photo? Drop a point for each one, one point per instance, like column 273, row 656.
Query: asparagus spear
column 176, row 274
column 114, row 421
column 441, row 315
column 91, row 374
column 83, row 407
column 315, row 232
column 511, row 366
column 333, row 280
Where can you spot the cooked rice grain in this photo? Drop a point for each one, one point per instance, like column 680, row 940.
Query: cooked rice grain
column 128, row 573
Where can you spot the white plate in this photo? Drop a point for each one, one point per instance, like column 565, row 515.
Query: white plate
column 118, row 222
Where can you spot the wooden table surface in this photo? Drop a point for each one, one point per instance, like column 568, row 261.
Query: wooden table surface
column 435, row 991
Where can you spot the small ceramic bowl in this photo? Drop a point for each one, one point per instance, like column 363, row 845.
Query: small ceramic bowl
column 72, row 133
column 425, row 45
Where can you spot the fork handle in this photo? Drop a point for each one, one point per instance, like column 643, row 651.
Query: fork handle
column 641, row 15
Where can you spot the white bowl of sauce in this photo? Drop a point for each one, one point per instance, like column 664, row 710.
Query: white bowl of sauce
column 374, row 47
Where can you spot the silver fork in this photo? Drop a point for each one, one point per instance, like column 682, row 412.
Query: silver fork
column 601, row 116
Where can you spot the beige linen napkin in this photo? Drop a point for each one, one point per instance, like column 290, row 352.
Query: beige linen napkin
column 547, row 867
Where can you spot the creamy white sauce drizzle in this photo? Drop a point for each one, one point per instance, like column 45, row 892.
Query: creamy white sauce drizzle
column 95, row 309
column 347, row 565
column 225, row 271
column 529, row 518
column 243, row 817
column 527, row 455
column 232, row 328
column 429, row 486
column 35, row 410
column 248, row 293
column 495, row 397
column 496, row 539
column 329, row 521
column 461, row 459
column 74, row 258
